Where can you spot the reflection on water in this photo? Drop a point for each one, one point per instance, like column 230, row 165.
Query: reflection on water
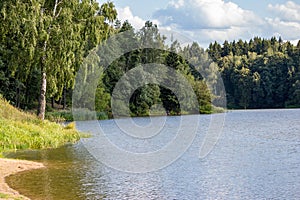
column 257, row 157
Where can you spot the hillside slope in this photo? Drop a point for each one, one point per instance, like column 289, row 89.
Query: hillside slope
column 20, row 130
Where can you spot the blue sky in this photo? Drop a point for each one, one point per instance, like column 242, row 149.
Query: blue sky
column 208, row 20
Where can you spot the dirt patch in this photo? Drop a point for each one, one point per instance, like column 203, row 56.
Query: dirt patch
column 9, row 167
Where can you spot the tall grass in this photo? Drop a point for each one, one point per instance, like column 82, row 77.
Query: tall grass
column 20, row 130
column 62, row 116
column 10, row 197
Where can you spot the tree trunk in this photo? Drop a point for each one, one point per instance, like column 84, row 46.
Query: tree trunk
column 17, row 97
column 42, row 98
column 52, row 102
column 64, row 98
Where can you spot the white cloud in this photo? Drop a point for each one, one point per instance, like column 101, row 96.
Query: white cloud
column 295, row 42
column 286, row 20
column 126, row 14
column 289, row 11
column 199, row 14
column 177, row 4
column 287, row 30
column 209, row 20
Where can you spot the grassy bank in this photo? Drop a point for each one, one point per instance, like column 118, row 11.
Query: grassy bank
column 60, row 116
column 20, row 130
column 63, row 116
column 10, row 197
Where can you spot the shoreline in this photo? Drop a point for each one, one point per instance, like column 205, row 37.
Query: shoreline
column 9, row 167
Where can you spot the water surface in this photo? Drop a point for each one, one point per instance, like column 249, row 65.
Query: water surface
column 256, row 157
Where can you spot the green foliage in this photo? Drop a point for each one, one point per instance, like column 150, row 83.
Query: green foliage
column 70, row 126
column 59, row 116
column 146, row 98
column 259, row 74
column 67, row 116
column 54, row 37
column 47, row 37
column 19, row 130
column 102, row 98
column 46, row 42
column 10, row 197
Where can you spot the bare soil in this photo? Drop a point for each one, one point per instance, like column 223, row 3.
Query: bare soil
column 9, row 167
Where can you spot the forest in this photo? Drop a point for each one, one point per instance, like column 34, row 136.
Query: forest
column 260, row 73
column 44, row 43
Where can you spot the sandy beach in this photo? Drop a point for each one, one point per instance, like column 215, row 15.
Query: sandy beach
column 10, row 166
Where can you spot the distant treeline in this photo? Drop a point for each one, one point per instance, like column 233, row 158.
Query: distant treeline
column 260, row 73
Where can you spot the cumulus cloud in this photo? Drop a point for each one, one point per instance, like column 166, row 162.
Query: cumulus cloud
column 126, row 14
column 285, row 29
column 201, row 14
column 210, row 20
column 289, row 11
column 286, row 20
column 216, row 20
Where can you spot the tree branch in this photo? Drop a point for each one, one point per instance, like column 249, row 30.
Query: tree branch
column 58, row 13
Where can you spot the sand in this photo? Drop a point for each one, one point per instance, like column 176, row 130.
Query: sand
column 9, row 167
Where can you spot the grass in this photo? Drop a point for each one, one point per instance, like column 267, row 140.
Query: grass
column 20, row 130
column 62, row 116
column 59, row 116
column 218, row 110
column 10, row 197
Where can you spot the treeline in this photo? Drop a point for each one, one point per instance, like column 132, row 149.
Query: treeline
column 44, row 43
column 261, row 73
column 164, row 67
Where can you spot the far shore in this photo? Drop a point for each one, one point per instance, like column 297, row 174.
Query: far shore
column 9, row 167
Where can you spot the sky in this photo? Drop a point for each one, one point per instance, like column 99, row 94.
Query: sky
column 207, row 21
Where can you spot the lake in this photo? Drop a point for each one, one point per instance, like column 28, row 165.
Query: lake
column 257, row 156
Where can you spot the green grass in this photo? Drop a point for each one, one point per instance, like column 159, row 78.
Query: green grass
column 8, row 196
column 20, row 130
column 218, row 110
column 59, row 116
column 62, row 116
column 4, row 196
